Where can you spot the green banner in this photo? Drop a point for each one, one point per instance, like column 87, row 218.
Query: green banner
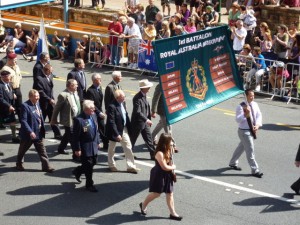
column 197, row 71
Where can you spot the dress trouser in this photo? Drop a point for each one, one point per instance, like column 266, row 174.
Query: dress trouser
column 246, row 144
column 66, row 138
column 162, row 124
column 101, row 129
column 48, row 112
column 127, row 148
column 146, row 134
column 18, row 102
column 40, row 148
column 87, row 165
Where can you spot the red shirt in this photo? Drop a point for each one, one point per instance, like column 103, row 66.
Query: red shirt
column 113, row 40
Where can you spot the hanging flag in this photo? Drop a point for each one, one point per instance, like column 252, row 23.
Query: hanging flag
column 146, row 58
column 42, row 43
column 197, row 71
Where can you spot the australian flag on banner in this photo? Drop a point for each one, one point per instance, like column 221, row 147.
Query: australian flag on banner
column 146, row 56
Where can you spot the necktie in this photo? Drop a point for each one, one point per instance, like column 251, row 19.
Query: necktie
column 92, row 123
column 252, row 114
column 38, row 112
column 8, row 88
column 82, row 78
column 77, row 104
column 123, row 113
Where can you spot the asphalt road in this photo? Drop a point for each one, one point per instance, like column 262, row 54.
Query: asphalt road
column 207, row 192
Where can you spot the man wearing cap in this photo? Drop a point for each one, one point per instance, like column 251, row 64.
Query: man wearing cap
column 111, row 88
column 7, row 99
column 151, row 11
column 32, row 132
column 16, row 77
column 78, row 74
column 133, row 33
column 44, row 85
column 115, row 29
column 141, row 117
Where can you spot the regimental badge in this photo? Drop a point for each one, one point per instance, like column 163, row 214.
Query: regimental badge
column 196, row 81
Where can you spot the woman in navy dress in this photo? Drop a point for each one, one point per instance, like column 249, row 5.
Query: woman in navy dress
column 161, row 176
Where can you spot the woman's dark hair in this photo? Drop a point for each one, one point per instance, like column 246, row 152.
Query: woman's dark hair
column 164, row 145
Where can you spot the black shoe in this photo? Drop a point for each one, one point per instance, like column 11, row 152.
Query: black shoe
column 178, row 218
column 2, row 127
column 62, row 152
column 235, row 167
column 15, row 140
column 48, row 170
column 77, row 176
column 57, row 137
column 105, row 147
column 258, row 174
column 91, row 189
column 1, row 154
column 295, row 190
column 76, row 159
column 143, row 212
column 152, row 157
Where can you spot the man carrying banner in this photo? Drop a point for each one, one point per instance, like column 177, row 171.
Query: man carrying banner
column 248, row 110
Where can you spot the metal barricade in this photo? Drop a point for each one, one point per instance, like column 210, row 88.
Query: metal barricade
column 292, row 85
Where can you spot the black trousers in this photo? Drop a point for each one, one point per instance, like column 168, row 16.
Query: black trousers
column 66, row 138
column 101, row 129
column 77, row 3
column 146, row 134
column 18, row 102
column 87, row 165
column 47, row 111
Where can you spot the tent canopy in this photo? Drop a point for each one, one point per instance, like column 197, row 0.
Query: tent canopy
column 9, row 4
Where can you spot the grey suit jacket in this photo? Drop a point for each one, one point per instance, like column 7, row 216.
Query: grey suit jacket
column 109, row 94
column 64, row 107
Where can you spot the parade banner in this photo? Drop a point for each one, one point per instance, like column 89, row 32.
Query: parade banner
column 11, row 4
column 197, row 71
column 146, row 58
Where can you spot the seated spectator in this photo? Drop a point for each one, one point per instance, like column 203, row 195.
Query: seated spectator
column 2, row 31
column 234, row 14
column 210, row 17
column 259, row 67
column 54, row 46
column 190, row 25
column 277, row 74
column 149, row 32
column 97, row 51
column 294, row 58
column 105, row 55
column 185, row 13
column 65, row 46
column 280, row 42
column 173, row 22
column 158, row 23
column 165, row 30
column 32, row 42
column 245, row 59
column 179, row 30
column 247, row 16
column 19, row 40
column 7, row 39
column 83, row 48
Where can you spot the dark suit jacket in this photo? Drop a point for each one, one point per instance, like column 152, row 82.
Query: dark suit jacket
column 45, row 89
column 30, row 121
column 298, row 154
column 37, row 70
column 115, row 121
column 109, row 94
column 141, row 111
column 74, row 74
column 97, row 97
column 6, row 99
column 86, row 138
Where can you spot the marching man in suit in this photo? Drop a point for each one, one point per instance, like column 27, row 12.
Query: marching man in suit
column 117, row 130
column 86, row 143
column 32, row 132
column 141, row 117
column 68, row 107
column 296, row 185
column 111, row 88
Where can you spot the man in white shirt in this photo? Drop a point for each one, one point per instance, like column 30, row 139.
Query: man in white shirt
column 238, row 36
column 249, row 118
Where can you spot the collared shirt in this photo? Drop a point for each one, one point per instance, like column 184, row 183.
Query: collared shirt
column 75, row 107
column 123, row 113
column 242, row 120
column 237, row 43
column 15, row 73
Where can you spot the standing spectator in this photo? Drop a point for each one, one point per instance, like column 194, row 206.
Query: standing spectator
column 259, row 68
column 19, row 40
column 194, row 4
column 96, row 4
column 161, row 177
column 292, row 33
column 141, row 117
column 44, row 59
column 280, row 42
column 44, row 85
column 247, row 15
column 185, row 13
column 238, row 35
column 157, row 107
column 149, row 32
column 78, row 74
column 111, row 88
column 244, row 111
column 158, row 23
column 234, row 14
column 7, row 100
column 151, row 11
column 32, row 132
column 74, row 3
column 83, row 48
column 115, row 29
column 68, row 107
column 296, row 185
column 164, row 4
column 86, row 143
column 178, row 4
column 118, row 130
column 94, row 93
column 12, row 67
column 228, row 6
column 266, row 43
column 140, row 16
column 133, row 33
column 131, row 3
